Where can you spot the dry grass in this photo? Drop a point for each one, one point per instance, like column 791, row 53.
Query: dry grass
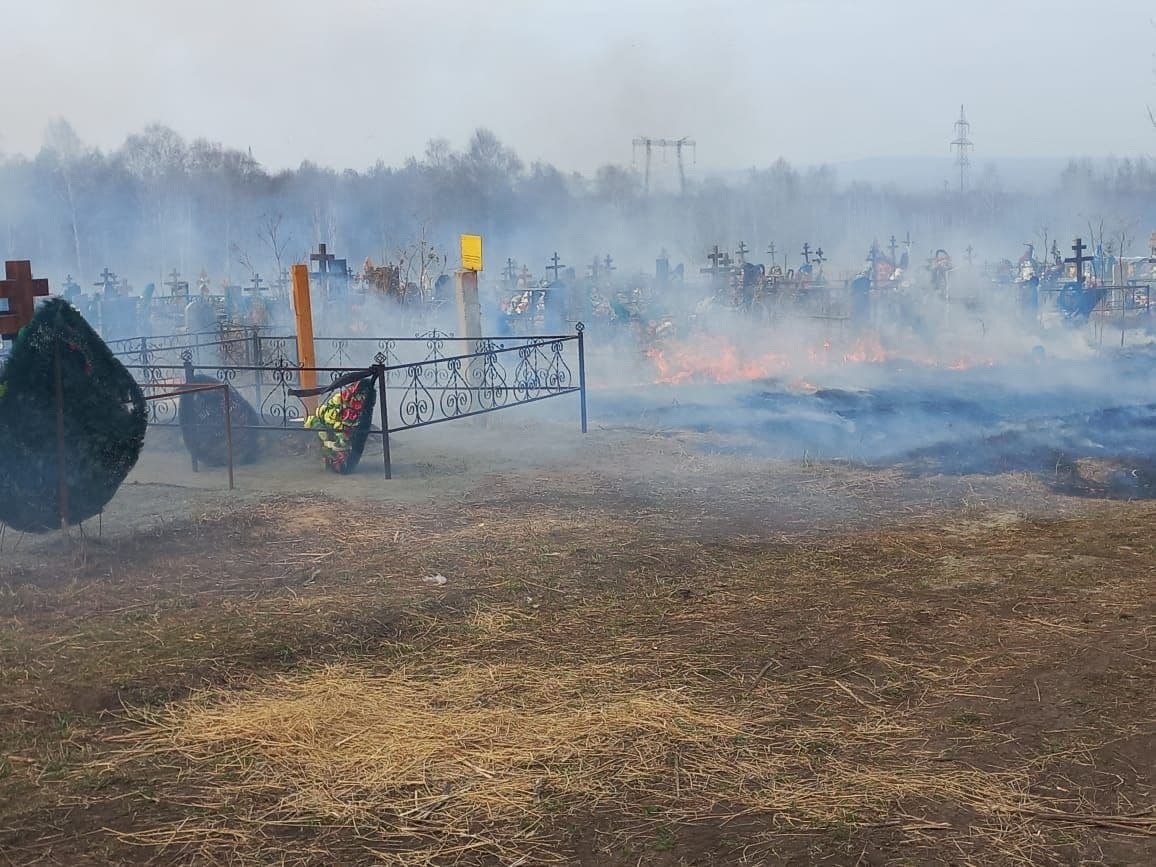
column 639, row 665
column 425, row 764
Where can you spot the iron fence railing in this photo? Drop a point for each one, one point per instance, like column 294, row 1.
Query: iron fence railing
column 492, row 374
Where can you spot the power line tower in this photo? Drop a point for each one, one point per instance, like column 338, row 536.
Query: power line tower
column 649, row 144
column 962, row 145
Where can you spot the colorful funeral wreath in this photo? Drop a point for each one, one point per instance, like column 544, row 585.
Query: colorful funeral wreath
column 343, row 423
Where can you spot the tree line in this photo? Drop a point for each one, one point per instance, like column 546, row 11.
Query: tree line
column 160, row 202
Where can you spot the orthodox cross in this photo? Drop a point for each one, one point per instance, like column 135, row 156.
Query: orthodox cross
column 893, row 246
column 256, row 286
column 771, row 252
column 18, row 294
column 742, row 251
column 555, row 266
column 807, row 252
column 608, row 265
column 1079, row 259
column 107, row 281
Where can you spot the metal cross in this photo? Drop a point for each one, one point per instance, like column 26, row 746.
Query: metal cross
column 968, row 254
column 1079, row 259
column 608, row 265
column 107, row 280
column 807, row 252
column 256, row 287
column 715, row 258
column 174, row 281
column 555, row 266
column 510, row 273
column 820, row 258
column 323, row 258
column 742, row 251
column 771, row 252
column 893, row 246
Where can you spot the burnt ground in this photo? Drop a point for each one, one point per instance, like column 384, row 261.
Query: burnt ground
column 644, row 653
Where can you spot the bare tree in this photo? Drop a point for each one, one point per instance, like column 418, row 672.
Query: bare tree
column 62, row 139
column 269, row 233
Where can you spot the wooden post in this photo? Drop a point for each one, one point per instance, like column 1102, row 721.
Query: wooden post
column 469, row 307
column 303, row 313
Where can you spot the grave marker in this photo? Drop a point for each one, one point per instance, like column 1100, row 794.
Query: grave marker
column 18, row 294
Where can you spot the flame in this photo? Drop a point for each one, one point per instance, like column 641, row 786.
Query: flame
column 712, row 359
column 715, row 359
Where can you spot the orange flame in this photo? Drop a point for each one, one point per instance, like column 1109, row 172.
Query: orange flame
column 714, row 359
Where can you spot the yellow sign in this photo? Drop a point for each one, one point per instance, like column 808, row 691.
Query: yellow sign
column 471, row 252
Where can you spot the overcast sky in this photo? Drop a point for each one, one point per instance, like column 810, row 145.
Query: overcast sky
column 346, row 82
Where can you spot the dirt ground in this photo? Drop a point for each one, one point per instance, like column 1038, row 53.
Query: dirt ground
column 537, row 647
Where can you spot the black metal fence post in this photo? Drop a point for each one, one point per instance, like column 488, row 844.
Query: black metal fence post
column 582, row 372
column 384, row 422
column 189, row 374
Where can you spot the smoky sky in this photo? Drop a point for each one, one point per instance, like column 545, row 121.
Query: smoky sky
column 349, row 82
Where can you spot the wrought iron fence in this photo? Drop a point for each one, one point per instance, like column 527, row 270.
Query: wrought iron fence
column 431, row 389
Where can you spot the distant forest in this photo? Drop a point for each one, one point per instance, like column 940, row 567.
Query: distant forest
column 160, row 202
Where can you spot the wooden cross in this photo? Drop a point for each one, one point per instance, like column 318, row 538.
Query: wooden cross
column 608, row 265
column 256, row 286
column 323, row 258
column 742, row 251
column 1079, row 259
column 555, row 266
column 807, row 252
column 18, row 294
column 771, row 252
column 893, row 246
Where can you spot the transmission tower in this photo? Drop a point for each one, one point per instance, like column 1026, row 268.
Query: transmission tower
column 649, row 144
column 962, row 145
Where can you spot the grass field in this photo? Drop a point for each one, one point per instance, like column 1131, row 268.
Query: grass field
column 655, row 657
